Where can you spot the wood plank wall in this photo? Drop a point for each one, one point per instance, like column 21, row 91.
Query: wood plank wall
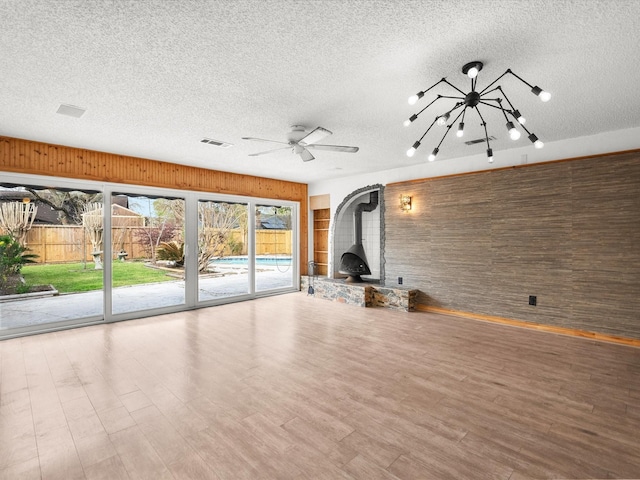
column 567, row 232
column 24, row 156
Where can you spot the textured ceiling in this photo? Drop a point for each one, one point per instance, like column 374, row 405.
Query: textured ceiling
column 157, row 76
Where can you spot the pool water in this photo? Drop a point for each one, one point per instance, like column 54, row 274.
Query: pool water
column 260, row 260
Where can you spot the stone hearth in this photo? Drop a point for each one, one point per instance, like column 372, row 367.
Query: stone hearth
column 361, row 294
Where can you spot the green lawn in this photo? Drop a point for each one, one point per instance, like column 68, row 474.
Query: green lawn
column 74, row 277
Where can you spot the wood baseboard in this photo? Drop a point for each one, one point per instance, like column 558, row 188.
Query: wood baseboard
column 534, row 326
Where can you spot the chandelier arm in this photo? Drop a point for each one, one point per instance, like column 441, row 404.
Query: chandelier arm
column 443, row 79
column 445, row 134
column 453, row 86
column 456, row 119
column 494, row 82
column 520, row 78
column 454, row 98
column 519, row 124
column 505, row 97
column 430, row 126
column 490, row 91
column 484, row 102
column 430, row 103
column 419, row 95
column 502, row 109
column 484, row 124
column 456, row 106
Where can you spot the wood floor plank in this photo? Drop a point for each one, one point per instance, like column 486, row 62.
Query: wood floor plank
column 27, row 470
column 138, row 456
column 58, row 456
column 110, row 468
column 293, row 387
column 361, row 468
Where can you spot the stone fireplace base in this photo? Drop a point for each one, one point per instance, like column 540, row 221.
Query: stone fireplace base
column 361, row 294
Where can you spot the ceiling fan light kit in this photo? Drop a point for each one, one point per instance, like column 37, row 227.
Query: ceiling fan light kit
column 299, row 143
column 472, row 100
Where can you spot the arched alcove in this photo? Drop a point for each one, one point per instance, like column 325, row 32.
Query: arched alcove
column 342, row 232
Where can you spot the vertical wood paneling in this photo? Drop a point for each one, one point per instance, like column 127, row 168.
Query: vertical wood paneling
column 566, row 232
column 24, row 156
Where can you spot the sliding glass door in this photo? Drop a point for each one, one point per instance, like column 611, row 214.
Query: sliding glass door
column 148, row 267
column 223, row 238
column 91, row 252
column 274, row 253
column 51, row 270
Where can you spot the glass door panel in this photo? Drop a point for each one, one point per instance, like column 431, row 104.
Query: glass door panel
column 50, row 273
column 223, row 239
column 274, row 267
column 147, row 252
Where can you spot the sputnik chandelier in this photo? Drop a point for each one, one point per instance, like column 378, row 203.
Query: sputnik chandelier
column 472, row 100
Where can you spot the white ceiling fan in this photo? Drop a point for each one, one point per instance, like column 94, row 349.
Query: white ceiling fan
column 299, row 141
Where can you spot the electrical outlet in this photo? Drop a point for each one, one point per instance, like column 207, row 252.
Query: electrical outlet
column 399, row 280
column 533, row 300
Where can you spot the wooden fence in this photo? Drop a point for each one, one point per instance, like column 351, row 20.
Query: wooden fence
column 70, row 243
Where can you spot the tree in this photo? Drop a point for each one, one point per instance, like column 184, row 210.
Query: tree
column 92, row 224
column 216, row 221
column 157, row 232
column 17, row 218
column 70, row 205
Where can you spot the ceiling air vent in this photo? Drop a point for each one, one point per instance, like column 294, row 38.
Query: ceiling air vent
column 216, row 143
column 479, row 140
column 71, row 110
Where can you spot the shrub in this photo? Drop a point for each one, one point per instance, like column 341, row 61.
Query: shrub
column 12, row 257
column 172, row 251
column 235, row 246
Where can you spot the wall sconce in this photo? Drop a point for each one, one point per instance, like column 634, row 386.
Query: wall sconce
column 405, row 203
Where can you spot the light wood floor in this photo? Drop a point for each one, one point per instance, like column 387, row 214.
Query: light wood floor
column 294, row 387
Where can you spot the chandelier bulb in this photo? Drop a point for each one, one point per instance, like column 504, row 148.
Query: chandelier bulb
column 534, row 139
column 411, row 152
column 544, row 96
column 414, row 98
column 410, row 120
column 514, row 133
column 519, row 117
column 460, row 131
column 433, row 155
column 443, row 119
column 490, row 155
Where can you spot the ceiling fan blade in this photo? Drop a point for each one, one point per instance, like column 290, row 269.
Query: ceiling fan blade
column 263, row 140
column 335, row 148
column 269, row 151
column 306, row 156
column 314, row 136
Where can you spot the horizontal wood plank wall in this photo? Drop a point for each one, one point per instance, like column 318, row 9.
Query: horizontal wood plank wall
column 567, row 232
column 24, row 156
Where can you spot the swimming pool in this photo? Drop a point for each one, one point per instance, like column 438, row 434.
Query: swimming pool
column 260, row 260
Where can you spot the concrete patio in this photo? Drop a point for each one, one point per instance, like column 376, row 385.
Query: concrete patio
column 65, row 307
